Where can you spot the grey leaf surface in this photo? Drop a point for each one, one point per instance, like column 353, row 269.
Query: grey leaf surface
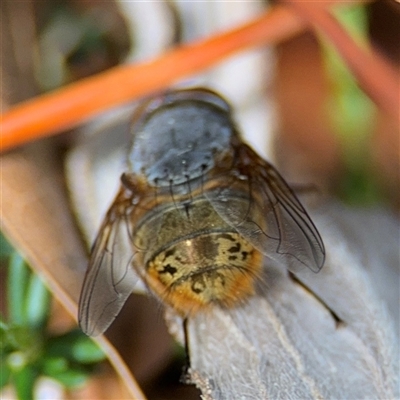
column 319, row 336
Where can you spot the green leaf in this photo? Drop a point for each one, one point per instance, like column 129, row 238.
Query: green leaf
column 37, row 302
column 18, row 274
column 71, row 378
column 357, row 188
column 5, row 248
column 86, row 351
column 75, row 346
column 54, row 365
column 24, row 339
column 3, row 324
column 61, row 346
column 24, row 382
column 3, row 336
column 4, row 373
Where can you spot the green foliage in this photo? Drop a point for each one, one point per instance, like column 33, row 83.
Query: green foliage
column 69, row 40
column 5, row 248
column 27, row 351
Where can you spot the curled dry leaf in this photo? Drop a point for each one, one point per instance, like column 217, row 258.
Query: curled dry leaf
column 36, row 217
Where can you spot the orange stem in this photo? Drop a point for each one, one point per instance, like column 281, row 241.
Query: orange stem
column 67, row 107
column 374, row 74
column 71, row 105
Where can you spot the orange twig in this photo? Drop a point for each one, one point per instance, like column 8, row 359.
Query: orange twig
column 77, row 102
column 69, row 106
column 374, row 74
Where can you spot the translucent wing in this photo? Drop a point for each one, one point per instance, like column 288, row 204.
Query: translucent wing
column 110, row 278
column 260, row 205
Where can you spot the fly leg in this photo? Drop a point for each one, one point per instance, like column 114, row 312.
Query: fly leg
column 186, row 369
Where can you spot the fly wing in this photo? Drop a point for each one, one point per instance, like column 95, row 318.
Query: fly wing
column 299, row 240
column 110, row 277
column 260, row 205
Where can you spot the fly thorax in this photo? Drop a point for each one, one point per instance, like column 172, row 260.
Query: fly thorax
column 179, row 143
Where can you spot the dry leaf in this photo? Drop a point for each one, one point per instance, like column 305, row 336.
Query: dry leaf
column 36, row 217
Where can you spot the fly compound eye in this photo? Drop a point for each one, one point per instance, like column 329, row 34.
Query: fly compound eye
column 194, row 95
column 198, row 95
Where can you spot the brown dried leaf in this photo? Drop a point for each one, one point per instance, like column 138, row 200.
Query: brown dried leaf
column 35, row 216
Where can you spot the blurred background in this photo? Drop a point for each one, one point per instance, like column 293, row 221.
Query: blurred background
column 296, row 103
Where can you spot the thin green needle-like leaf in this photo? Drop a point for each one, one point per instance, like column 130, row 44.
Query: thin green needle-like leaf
column 37, row 302
column 4, row 373
column 18, row 274
column 24, row 382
